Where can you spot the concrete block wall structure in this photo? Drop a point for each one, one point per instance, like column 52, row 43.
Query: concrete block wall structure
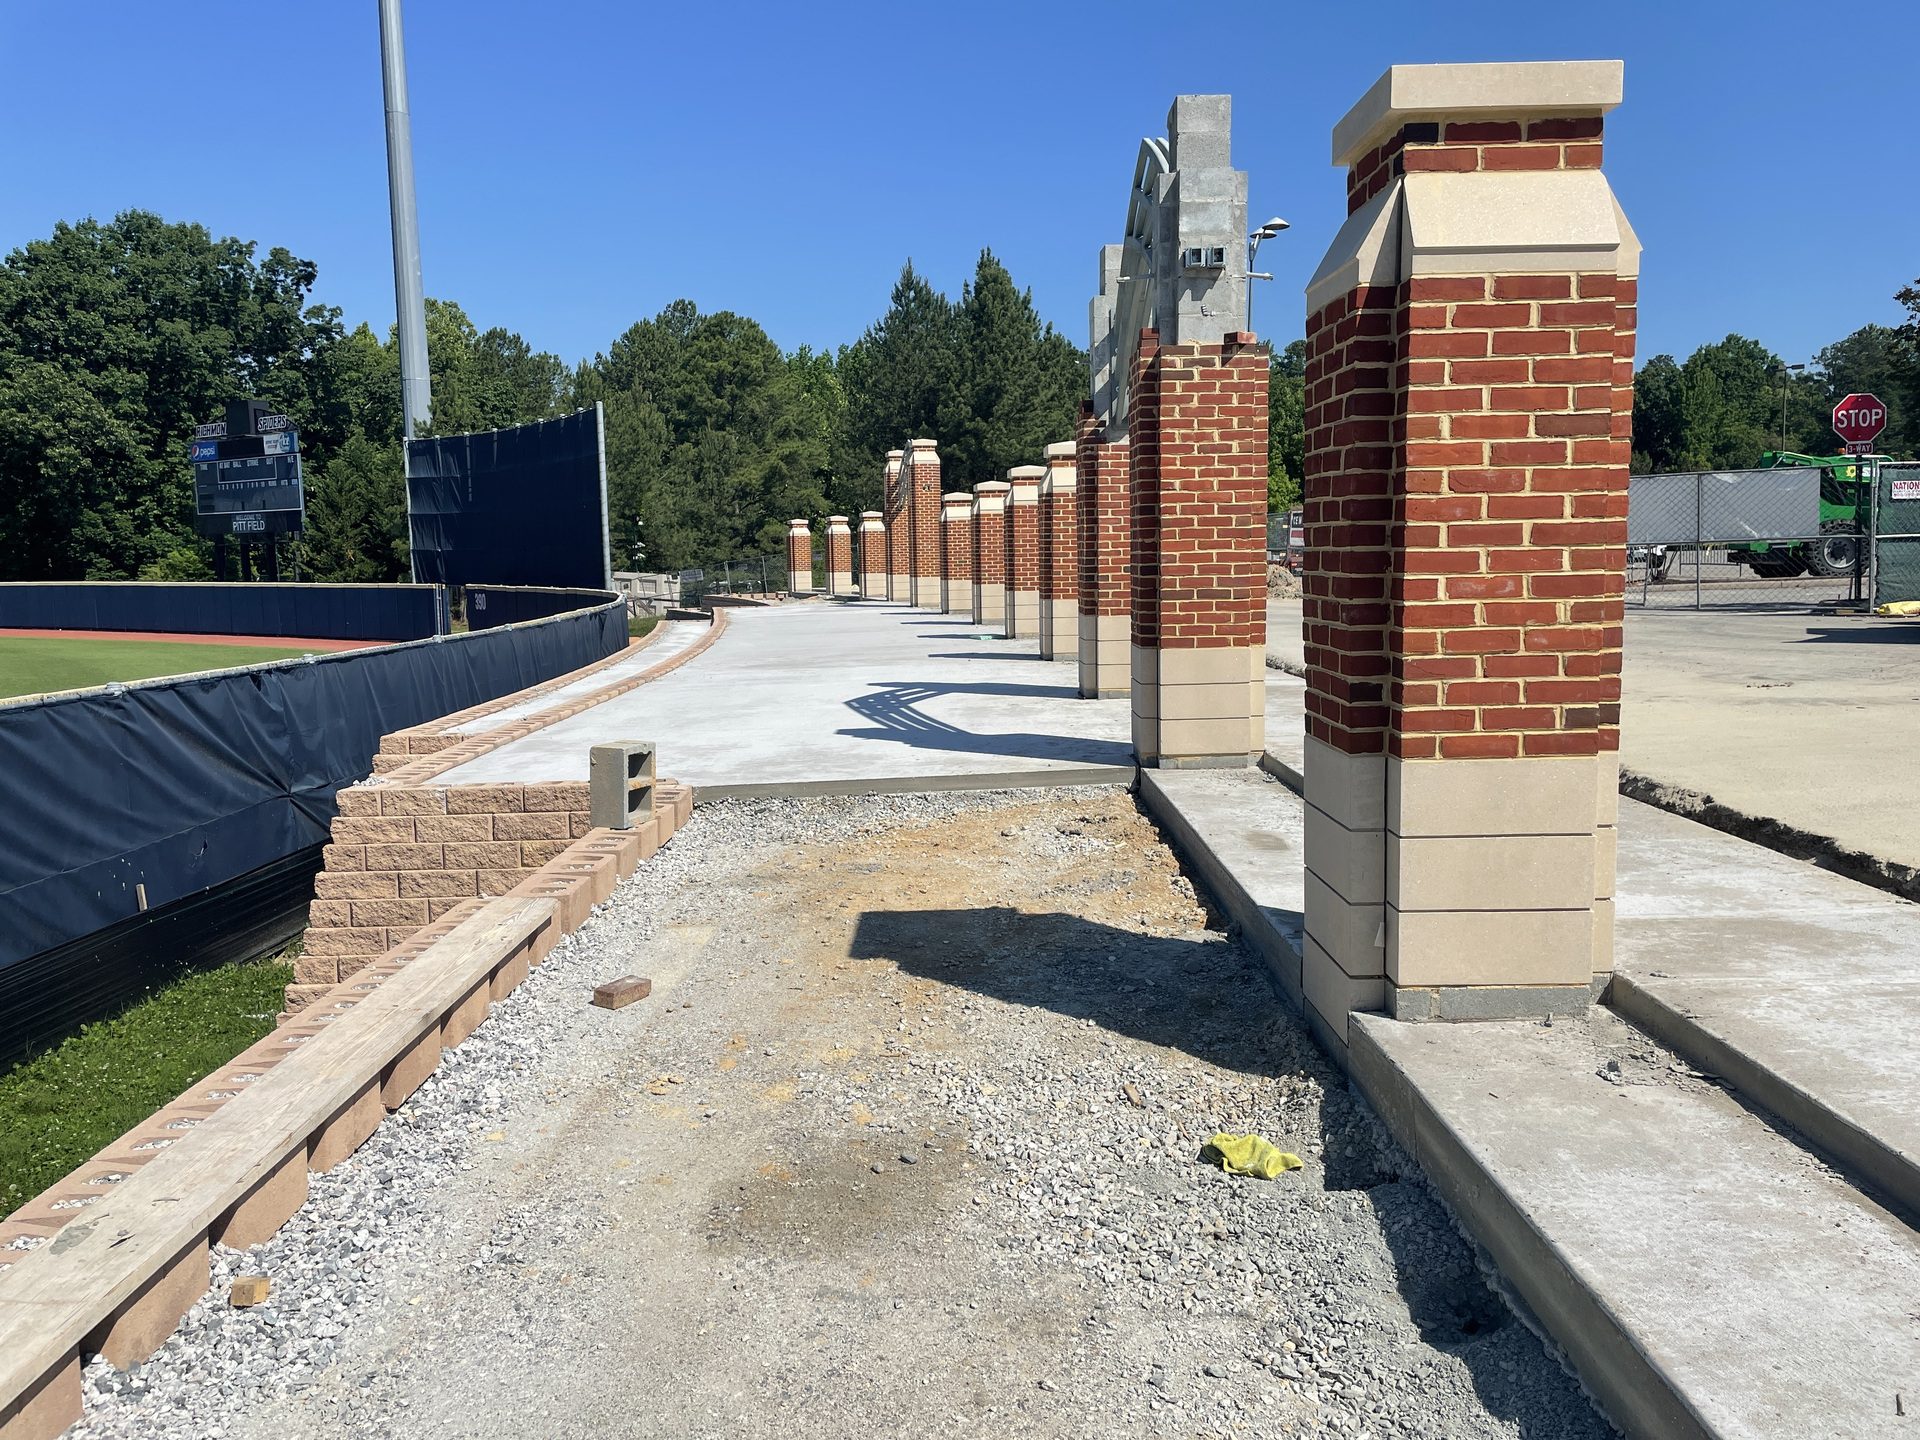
column 922, row 484
column 990, row 553
column 839, row 556
column 1469, row 405
column 873, row 555
column 1021, row 539
column 956, row 554
column 1059, row 623
column 799, row 558
column 893, row 513
column 1103, row 491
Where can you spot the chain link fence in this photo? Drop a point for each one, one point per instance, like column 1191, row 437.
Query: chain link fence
column 1788, row 538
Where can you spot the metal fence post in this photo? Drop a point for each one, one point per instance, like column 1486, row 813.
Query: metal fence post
column 1699, row 537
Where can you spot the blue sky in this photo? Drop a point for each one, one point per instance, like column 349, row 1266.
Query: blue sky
column 581, row 163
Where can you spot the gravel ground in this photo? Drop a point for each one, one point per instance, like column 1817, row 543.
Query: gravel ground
column 904, row 1142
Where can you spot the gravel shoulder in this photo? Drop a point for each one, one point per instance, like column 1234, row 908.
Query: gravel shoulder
column 905, row 1142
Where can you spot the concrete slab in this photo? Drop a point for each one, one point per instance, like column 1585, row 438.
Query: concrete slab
column 1706, row 1276
column 1285, row 648
column 1801, row 718
column 676, row 636
column 1800, row 987
column 853, row 698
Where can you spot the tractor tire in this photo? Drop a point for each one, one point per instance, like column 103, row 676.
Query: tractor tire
column 1778, row 565
column 1836, row 553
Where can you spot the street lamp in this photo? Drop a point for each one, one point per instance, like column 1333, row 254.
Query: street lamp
column 1254, row 239
column 1786, row 387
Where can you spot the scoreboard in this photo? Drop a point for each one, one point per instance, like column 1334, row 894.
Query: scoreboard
column 247, row 485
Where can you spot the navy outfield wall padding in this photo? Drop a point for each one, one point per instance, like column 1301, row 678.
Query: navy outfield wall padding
column 521, row 506
column 317, row 612
column 184, row 785
column 490, row 605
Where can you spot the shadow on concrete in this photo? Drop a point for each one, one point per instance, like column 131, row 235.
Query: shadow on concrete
column 979, row 654
column 895, row 715
column 1886, row 632
column 1205, row 996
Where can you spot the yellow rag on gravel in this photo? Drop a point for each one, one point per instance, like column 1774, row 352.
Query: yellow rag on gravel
column 1250, row 1155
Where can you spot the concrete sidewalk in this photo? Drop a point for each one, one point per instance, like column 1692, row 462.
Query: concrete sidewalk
column 824, row 697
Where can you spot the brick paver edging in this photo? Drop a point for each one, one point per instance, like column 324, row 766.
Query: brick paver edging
column 109, row 1259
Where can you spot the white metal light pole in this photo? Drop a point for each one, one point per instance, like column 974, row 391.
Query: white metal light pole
column 1266, row 232
column 416, row 389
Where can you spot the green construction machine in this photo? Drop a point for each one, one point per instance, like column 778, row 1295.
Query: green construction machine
column 1844, row 499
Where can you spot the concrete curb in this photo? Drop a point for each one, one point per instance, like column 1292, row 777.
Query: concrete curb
column 1631, row 1386
column 1852, row 1147
column 109, row 1259
column 1227, row 891
column 923, row 784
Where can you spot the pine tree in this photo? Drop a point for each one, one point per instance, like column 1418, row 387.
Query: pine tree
column 357, row 517
column 1016, row 381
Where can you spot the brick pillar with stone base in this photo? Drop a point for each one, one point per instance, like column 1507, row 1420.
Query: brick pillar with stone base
column 799, row 558
column 873, row 555
column 1469, row 409
column 899, row 532
column 1059, row 558
column 839, row 556
column 1022, row 544
column 1197, row 437
column 920, row 478
column 990, row 553
column 956, row 554
column 1103, row 491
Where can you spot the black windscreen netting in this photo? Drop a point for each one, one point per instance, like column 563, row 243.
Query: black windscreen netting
column 523, row 506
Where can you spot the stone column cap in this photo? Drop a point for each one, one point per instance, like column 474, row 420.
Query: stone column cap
column 923, row 444
column 833, row 520
column 1026, row 472
column 799, row 525
column 1062, row 450
column 1475, row 92
column 873, row 516
column 957, row 497
column 895, row 454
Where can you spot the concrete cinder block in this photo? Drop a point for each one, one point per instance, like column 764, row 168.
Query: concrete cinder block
column 47, row 1407
column 347, row 1131
column 465, row 1016
column 257, row 1216
column 409, row 1070
column 510, row 972
column 144, row 1321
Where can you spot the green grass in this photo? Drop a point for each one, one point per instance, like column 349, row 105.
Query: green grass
column 60, row 1108
column 638, row 625
column 33, row 665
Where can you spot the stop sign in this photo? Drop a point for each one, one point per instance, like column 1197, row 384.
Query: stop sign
column 1859, row 418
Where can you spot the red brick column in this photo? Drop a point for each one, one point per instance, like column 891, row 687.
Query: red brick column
column 1059, row 557
column 1022, row 561
column 1198, row 434
column 956, row 554
column 799, row 558
column 873, row 555
column 990, row 552
column 839, row 556
column 1104, row 493
column 899, row 532
column 921, row 476
column 1469, row 415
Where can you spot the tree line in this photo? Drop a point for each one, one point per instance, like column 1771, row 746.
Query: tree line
column 117, row 338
